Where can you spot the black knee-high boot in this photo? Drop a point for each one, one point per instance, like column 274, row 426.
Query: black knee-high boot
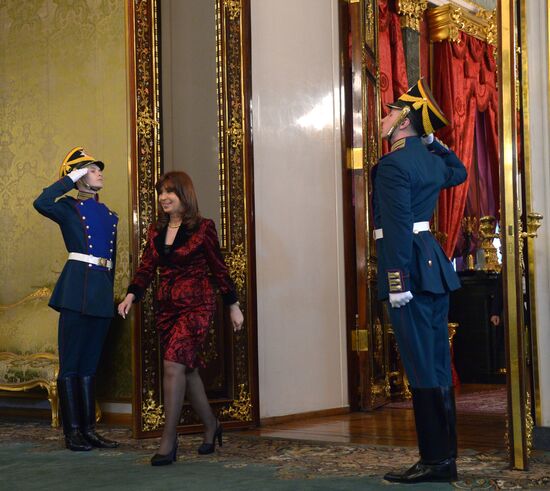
column 448, row 397
column 67, row 389
column 87, row 394
column 436, row 462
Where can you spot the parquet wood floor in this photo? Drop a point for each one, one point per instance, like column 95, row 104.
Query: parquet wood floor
column 386, row 426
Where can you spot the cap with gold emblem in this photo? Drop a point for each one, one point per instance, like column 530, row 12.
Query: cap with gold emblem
column 423, row 110
column 76, row 159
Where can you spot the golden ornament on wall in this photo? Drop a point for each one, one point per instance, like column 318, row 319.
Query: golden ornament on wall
column 241, row 409
column 369, row 23
column 235, row 132
column 152, row 413
column 411, row 12
column 236, row 263
column 234, row 8
column 449, row 20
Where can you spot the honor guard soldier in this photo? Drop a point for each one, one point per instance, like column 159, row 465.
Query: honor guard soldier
column 83, row 294
column 414, row 273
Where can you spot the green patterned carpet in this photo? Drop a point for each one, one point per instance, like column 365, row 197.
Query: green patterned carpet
column 32, row 457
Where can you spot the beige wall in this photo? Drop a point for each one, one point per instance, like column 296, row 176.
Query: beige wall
column 540, row 160
column 62, row 84
column 298, row 206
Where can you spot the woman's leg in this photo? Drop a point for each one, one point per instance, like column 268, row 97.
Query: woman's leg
column 199, row 402
column 173, row 384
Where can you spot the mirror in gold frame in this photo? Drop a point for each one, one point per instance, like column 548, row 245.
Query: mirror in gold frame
column 189, row 102
column 231, row 378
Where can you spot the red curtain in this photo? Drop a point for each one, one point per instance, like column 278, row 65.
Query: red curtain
column 393, row 68
column 464, row 85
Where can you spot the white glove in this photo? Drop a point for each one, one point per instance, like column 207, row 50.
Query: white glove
column 426, row 140
column 399, row 299
column 76, row 174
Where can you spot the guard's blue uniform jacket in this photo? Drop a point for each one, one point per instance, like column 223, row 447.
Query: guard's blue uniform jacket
column 88, row 227
column 406, row 185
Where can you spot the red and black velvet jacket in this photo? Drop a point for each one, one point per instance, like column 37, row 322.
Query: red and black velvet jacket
column 189, row 274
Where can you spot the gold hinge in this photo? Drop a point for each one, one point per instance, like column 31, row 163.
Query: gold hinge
column 355, row 158
column 360, row 340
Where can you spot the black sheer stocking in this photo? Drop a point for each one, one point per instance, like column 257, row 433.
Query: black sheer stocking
column 199, row 401
column 173, row 385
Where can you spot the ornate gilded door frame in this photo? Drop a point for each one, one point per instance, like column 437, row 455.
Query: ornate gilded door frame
column 369, row 367
column 240, row 408
column 516, row 213
column 515, row 204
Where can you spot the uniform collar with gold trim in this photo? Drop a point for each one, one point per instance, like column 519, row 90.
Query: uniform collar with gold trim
column 83, row 196
column 398, row 144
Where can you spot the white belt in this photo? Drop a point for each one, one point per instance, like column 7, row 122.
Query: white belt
column 417, row 227
column 88, row 258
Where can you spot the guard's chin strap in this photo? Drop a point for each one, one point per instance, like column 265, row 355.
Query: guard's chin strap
column 402, row 115
column 90, row 188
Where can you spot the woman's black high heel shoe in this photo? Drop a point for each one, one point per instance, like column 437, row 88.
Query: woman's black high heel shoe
column 207, row 448
column 159, row 459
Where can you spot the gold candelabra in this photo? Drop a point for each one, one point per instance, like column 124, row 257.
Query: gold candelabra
column 487, row 226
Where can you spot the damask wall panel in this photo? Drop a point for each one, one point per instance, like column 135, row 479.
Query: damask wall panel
column 63, row 84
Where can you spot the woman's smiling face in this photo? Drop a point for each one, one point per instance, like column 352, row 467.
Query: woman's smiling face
column 170, row 202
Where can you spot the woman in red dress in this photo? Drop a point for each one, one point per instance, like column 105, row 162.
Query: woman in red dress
column 185, row 249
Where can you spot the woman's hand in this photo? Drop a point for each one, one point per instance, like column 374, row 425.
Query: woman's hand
column 237, row 318
column 125, row 306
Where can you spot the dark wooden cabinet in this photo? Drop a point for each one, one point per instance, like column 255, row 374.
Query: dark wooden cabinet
column 478, row 345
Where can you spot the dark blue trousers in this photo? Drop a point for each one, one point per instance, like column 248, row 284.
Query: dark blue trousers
column 80, row 339
column 422, row 336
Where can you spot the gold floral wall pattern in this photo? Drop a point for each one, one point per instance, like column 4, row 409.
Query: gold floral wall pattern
column 63, row 83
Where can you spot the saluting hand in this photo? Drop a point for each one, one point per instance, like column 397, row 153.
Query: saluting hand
column 125, row 306
column 77, row 174
column 237, row 318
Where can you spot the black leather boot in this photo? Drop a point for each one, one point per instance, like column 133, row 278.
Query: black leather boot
column 436, row 462
column 67, row 389
column 448, row 397
column 87, row 394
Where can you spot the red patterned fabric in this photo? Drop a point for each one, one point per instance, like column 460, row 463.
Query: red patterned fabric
column 393, row 69
column 186, row 296
column 465, row 84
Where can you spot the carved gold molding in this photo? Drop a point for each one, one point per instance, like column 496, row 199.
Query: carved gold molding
column 43, row 292
column 370, row 20
column 411, row 13
column 447, row 21
column 236, row 263
column 152, row 413
column 529, row 424
column 234, row 8
column 529, row 427
column 241, row 408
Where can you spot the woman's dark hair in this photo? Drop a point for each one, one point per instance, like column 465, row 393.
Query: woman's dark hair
column 182, row 185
